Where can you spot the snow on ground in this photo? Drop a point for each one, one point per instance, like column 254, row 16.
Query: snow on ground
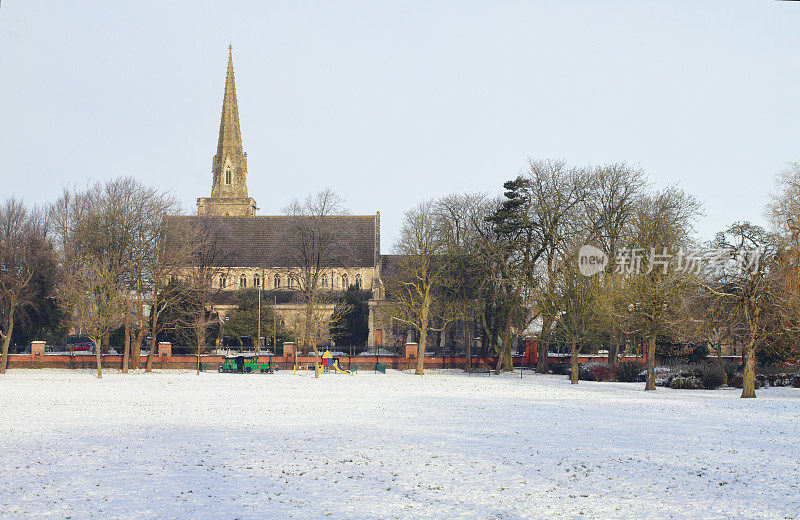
column 224, row 446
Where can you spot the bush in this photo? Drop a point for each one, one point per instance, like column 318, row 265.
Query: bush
column 604, row 372
column 795, row 380
column 736, row 381
column 560, row 368
column 585, row 371
column 711, row 377
column 686, row 381
column 628, row 371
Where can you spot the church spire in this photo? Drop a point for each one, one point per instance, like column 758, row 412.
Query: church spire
column 229, row 166
column 230, row 137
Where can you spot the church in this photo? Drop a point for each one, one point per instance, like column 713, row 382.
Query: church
column 258, row 257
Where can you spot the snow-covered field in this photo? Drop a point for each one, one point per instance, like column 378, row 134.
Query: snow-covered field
column 225, row 446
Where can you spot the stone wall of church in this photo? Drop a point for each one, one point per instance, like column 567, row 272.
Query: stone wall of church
column 293, row 316
column 216, row 207
column 336, row 279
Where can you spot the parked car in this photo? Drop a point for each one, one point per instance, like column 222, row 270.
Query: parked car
column 79, row 347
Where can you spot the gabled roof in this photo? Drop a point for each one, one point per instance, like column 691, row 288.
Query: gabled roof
column 265, row 241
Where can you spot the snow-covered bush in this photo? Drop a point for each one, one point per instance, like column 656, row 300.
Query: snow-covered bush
column 686, row 381
column 560, row 368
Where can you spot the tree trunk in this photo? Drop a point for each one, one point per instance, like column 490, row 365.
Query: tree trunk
column 749, row 376
column 136, row 349
column 508, row 359
column 4, row 362
column 7, row 340
column 126, row 352
column 651, row 364
column 150, row 354
column 543, row 348
column 307, row 334
column 201, row 340
column 574, row 372
column 141, row 331
column 505, row 351
column 613, row 354
column 468, row 346
column 97, row 347
column 423, row 338
column 722, row 366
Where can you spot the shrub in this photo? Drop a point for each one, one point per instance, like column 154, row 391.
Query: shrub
column 560, row 368
column 604, row 372
column 711, row 377
column 585, row 371
column 795, row 380
column 736, row 381
column 628, row 371
column 686, row 381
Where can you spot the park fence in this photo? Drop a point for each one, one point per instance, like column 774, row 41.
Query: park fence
column 40, row 356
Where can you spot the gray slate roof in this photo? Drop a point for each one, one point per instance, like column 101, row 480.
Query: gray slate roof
column 262, row 241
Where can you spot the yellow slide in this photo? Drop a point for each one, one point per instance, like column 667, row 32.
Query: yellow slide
column 338, row 368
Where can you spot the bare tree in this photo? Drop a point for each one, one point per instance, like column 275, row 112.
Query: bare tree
column 314, row 247
column 24, row 251
column 660, row 228
column 169, row 289
column 577, row 309
column 204, row 266
column 610, row 209
column 539, row 216
column 743, row 279
column 147, row 262
column 460, row 218
column 91, row 293
column 416, row 286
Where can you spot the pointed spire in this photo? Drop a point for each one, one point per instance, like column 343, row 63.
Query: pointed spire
column 230, row 137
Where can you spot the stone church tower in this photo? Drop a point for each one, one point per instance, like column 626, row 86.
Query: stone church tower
column 229, row 166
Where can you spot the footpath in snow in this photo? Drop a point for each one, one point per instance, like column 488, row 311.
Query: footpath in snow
column 445, row 445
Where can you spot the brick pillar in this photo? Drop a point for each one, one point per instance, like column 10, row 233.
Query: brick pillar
column 289, row 348
column 37, row 348
column 531, row 350
column 411, row 350
column 165, row 349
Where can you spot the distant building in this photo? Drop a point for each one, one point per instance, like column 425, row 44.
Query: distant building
column 257, row 245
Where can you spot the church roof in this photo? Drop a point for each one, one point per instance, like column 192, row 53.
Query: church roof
column 266, row 241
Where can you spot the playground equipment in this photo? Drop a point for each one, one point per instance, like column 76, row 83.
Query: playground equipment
column 244, row 365
column 328, row 361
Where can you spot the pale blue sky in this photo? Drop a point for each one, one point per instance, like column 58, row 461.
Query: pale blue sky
column 393, row 102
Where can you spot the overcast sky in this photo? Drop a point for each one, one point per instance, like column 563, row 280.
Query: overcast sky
column 390, row 103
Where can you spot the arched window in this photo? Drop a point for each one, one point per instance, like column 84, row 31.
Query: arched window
column 345, row 285
column 324, row 280
column 277, row 281
column 222, row 281
column 290, row 281
column 358, row 282
column 228, row 176
column 243, row 281
column 256, row 281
